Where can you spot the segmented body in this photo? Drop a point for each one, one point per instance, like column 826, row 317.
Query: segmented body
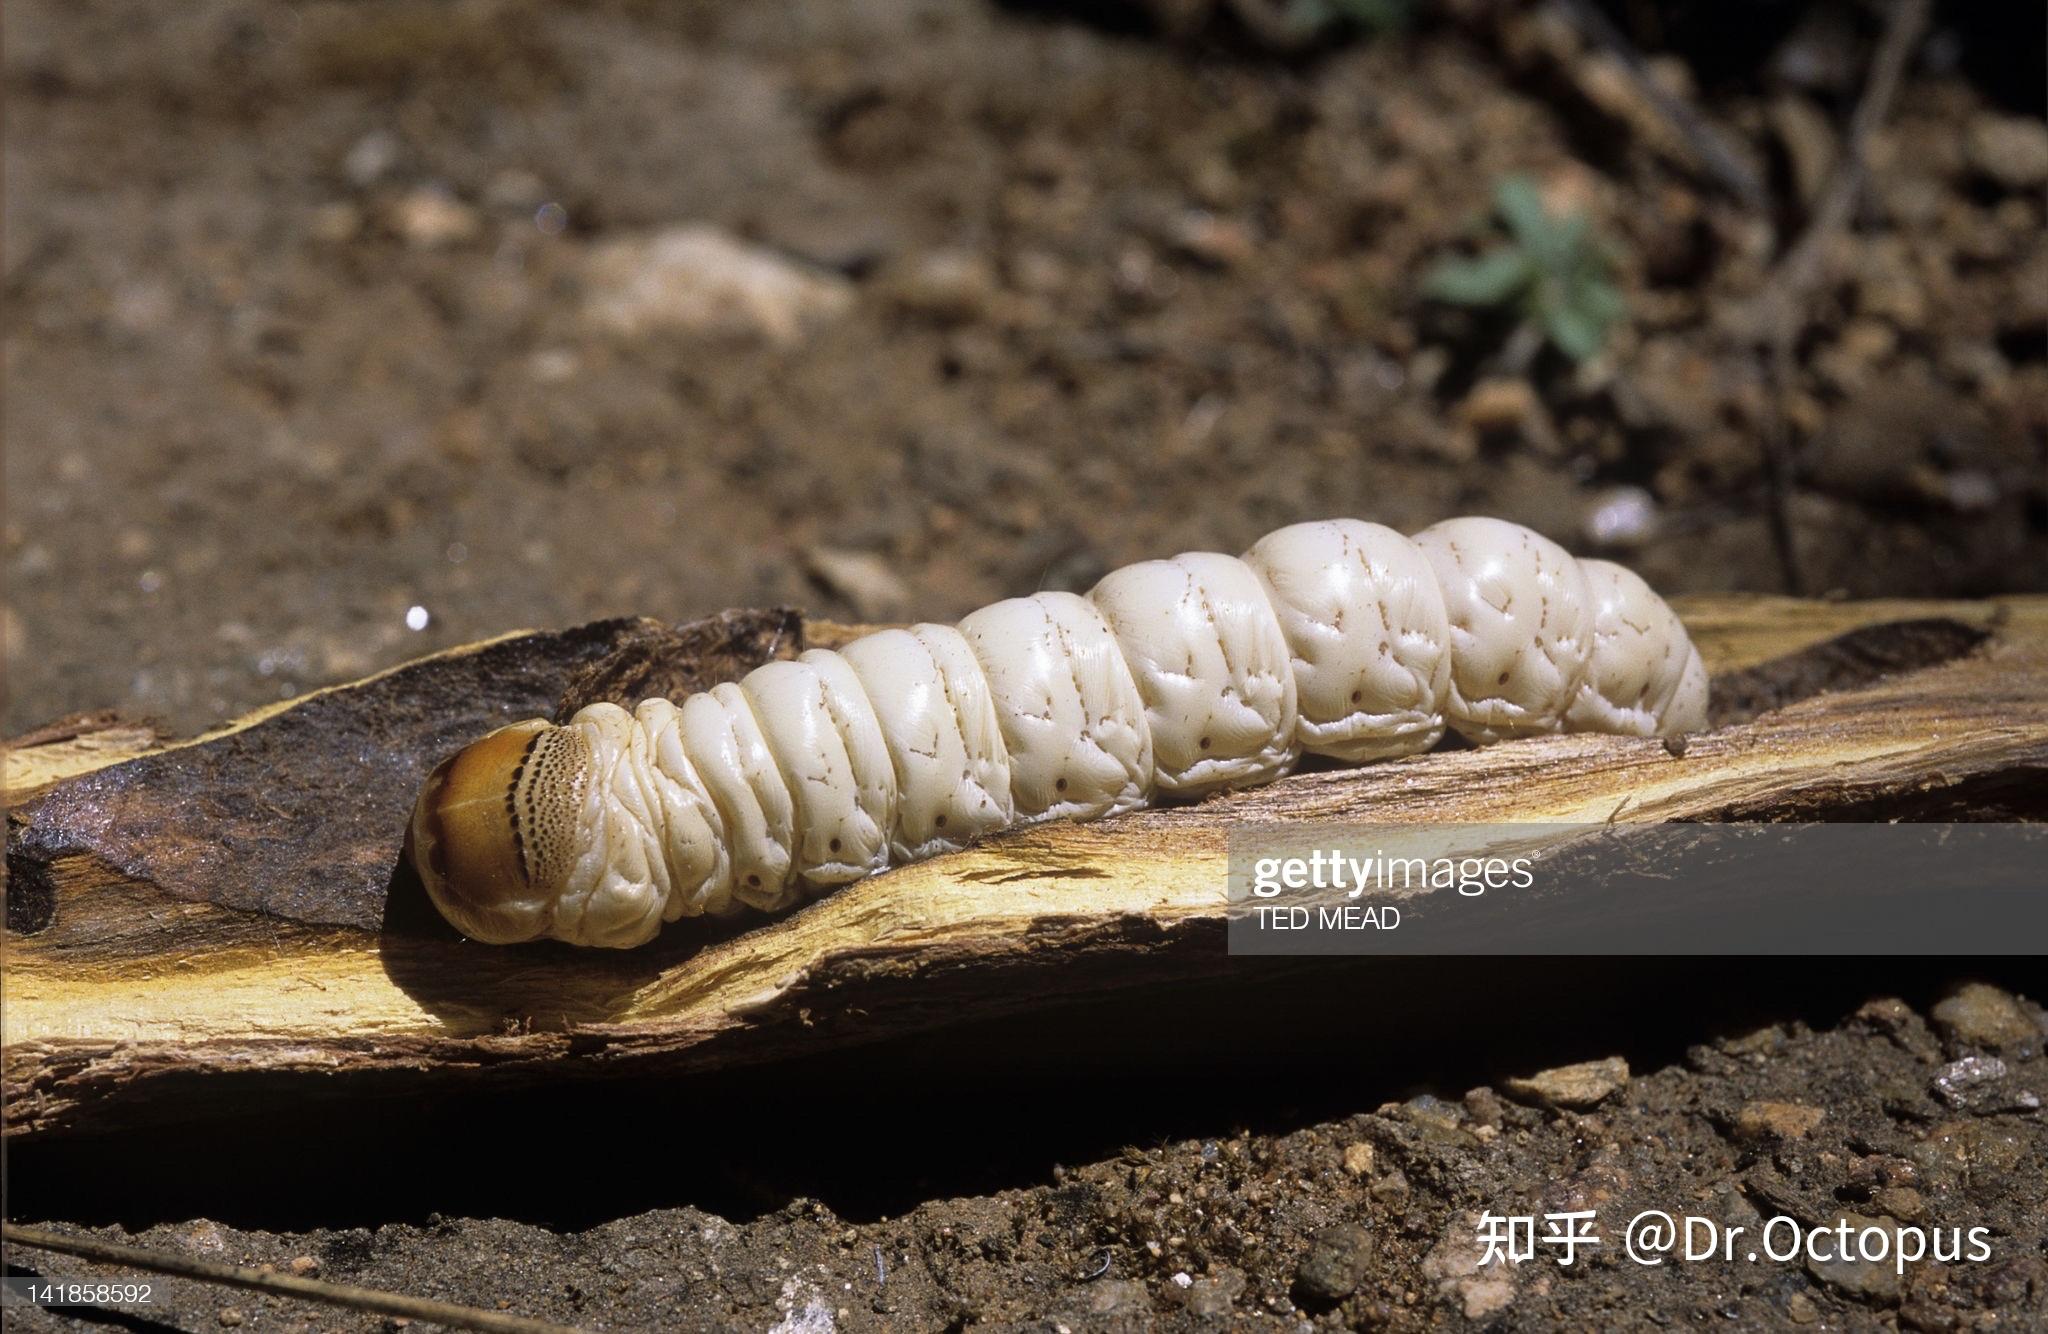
column 1170, row 679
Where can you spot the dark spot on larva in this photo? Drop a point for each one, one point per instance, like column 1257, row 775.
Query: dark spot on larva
column 1503, row 678
column 834, row 845
column 1205, row 743
column 754, row 881
column 939, row 822
column 1357, row 695
column 1060, row 786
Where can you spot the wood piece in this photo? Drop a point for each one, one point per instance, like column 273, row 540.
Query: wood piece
column 181, row 955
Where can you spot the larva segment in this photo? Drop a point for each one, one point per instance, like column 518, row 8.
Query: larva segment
column 724, row 739
column 833, row 762
column 939, row 723
column 1072, row 720
column 610, row 867
column 1645, row 677
column 694, row 841
column 1521, row 626
column 1211, row 664
column 1369, row 640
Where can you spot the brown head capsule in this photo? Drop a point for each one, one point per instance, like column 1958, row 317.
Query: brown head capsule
column 494, row 833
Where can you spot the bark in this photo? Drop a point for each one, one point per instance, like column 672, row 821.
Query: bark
column 225, row 923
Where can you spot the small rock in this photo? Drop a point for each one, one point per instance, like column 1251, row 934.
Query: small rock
column 1867, row 1280
column 229, row 1317
column 698, row 280
column 1903, row 1025
column 1621, row 518
column 955, row 285
column 1358, row 1159
column 1111, row 1297
column 862, row 578
column 1979, row 1084
column 1777, row 1120
column 1579, row 1086
column 1215, row 1295
column 1203, row 236
column 2012, row 150
column 1337, row 1260
column 303, row 1265
column 1976, row 1015
column 373, row 155
column 1453, row 1264
column 432, row 219
column 1392, row 1187
column 1499, row 405
column 1801, row 1308
column 1900, row 1202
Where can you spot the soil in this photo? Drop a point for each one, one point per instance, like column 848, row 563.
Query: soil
column 295, row 340
column 301, row 381
column 1890, row 1117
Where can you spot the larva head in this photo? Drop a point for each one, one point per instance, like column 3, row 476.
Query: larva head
column 494, row 834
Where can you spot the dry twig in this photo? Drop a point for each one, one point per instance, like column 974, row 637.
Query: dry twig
column 276, row 1285
column 1790, row 283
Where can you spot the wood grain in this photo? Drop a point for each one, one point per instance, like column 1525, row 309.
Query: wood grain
column 223, row 920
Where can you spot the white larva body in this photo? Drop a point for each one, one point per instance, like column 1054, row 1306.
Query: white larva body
column 1170, row 679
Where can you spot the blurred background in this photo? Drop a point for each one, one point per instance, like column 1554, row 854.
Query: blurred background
column 336, row 333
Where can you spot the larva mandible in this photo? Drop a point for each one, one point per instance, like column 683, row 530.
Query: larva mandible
column 1171, row 678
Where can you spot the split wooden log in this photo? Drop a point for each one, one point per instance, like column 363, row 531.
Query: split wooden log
column 195, row 925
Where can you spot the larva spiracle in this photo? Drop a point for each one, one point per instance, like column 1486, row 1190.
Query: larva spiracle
column 1170, row 679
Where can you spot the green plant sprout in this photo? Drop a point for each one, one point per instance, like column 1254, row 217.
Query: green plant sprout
column 1553, row 269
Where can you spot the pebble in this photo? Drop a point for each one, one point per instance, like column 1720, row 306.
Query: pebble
column 1777, row 1120
column 1111, row 1296
column 2012, row 150
column 1978, row 1084
column 1215, row 1294
column 1870, row 1280
column 1202, row 235
column 1621, row 518
column 698, row 280
column 430, row 218
column 1499, row 405
column 862, row 578
column 1337, row 1260
column 230, row 1317
column 1579, row 1086
column 955, row 285
column 1977, row 1015
column 373, row 155
column 1358, row 1159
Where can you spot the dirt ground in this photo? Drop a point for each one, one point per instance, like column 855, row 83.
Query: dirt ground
column 299, row 330
column 1892, row 1117
column 330, row 339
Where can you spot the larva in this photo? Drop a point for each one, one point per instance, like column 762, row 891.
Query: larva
column 1170, row 679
